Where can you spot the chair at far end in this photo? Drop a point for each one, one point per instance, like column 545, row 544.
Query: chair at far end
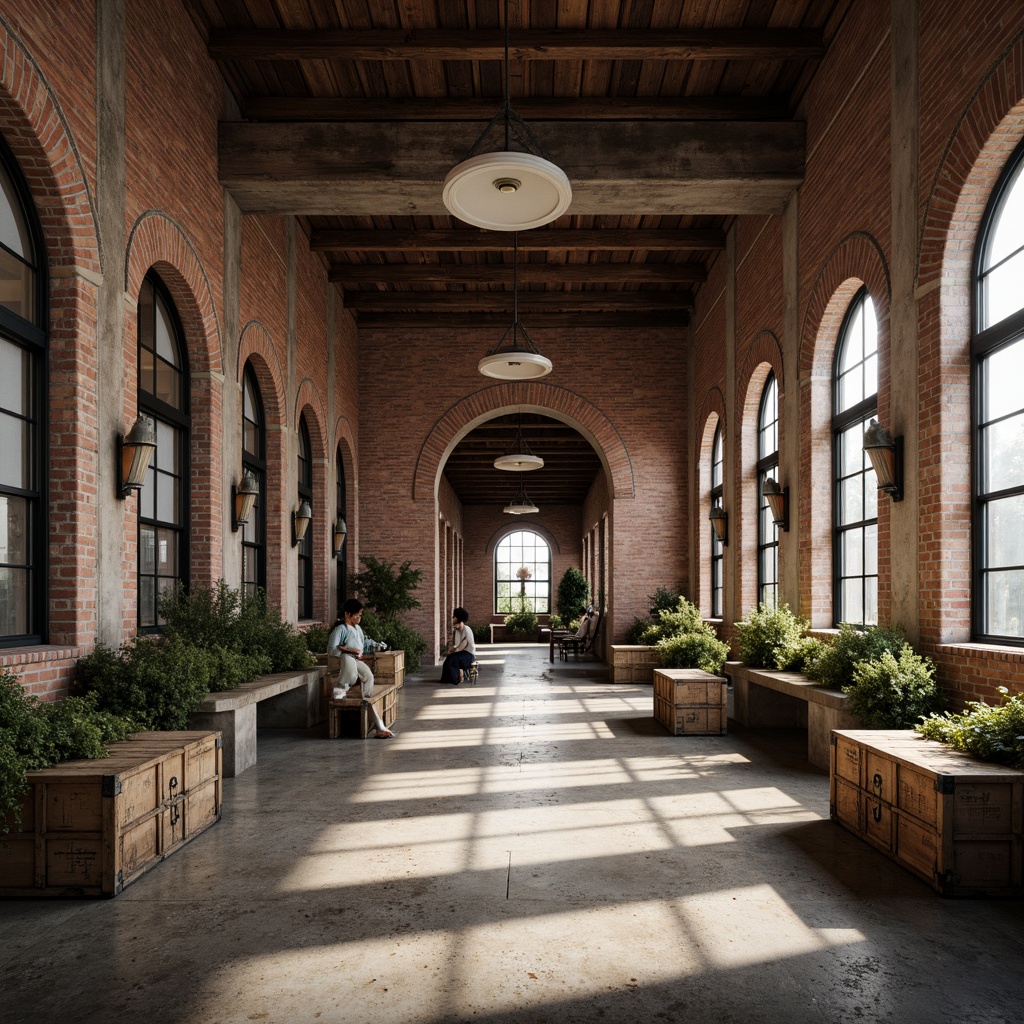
column 579, row 644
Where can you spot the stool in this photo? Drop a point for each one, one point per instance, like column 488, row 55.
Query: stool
column 473, row 673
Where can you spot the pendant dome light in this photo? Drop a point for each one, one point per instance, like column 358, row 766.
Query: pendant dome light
column 507, row 190
column 520, row 504
column 519, row 458
column 521, row 360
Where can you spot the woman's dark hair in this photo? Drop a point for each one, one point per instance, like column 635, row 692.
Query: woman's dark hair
column 351, row 606
column 461, row 614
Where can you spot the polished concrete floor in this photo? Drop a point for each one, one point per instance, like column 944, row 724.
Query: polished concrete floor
column 532, row 849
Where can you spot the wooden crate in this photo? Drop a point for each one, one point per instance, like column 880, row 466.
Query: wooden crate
column 351, row 716
column 691, row 702
column 633, row 663
column 388, row 668
column 952, row 820
column 91, row 827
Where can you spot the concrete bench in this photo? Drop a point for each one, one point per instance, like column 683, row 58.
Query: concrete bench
column 283, row 700
column 766, row 699
column 384, row 699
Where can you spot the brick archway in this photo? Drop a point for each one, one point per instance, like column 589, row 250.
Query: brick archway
column 544, row 399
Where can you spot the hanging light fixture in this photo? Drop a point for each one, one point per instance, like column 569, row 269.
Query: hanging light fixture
column 507, row 191
column 521, row 360
column 519, row 458
column 520, row 504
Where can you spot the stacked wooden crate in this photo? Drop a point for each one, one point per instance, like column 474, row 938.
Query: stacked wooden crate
column 952, row 820
column 633, row 663
column 691, row 702
column 91, row 827
column 350, row 715
column 388, row 668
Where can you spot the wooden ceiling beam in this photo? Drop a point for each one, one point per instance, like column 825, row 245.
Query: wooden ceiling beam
column 496, row 302
column 494, row 323
column 502, row 273
column 537, row 240
column 616, row 167
column 593, row 108
column 756, row 44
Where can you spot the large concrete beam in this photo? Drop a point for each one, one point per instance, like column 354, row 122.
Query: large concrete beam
column 398, row 168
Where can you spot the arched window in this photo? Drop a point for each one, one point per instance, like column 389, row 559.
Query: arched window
column 522, row 549
column 855, row 500
column 342, row 502
column 997, row 350
column 305, row 476
column 22, row 414
column 254, row 459
column 163, row 500
column 716, row 544
column 767, row 469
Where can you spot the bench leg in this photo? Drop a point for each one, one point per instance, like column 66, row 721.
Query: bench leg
column 238, row 735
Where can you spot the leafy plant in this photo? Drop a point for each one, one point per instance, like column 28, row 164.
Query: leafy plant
column 316, row 638
column 398, row 636
column 989, row 732
column 893, row 691
column 636, row 630
column 772, row 637
column 664, row 600
column 523, row 619
column 36, row 734
column 555, row 621
column 832, row 664
column 387, row 589
column 482, row 633
column 573, row 594
column 693, row 650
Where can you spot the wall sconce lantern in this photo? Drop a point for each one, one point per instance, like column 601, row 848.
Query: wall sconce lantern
column 886, row 454
column 243, row 497
column 340, row 533
column 133, row 455
column 301, row 518
column 719, row 523
column 778, row 502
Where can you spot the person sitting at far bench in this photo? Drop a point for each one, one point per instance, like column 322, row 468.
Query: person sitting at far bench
column 348, row 642
column 461, row 651
column 586, row 623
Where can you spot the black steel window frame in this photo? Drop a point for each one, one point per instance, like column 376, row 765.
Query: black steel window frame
column 254, row 533
column 514, row 582
column 717, row 548
column 180, row 421
column 305, row 546
column 34, row 339
column 985, row 341
column 767, row 466
column 842, row 421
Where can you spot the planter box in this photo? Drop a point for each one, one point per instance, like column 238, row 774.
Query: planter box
column 89, row 828
column 691, row 702
column 952, row 820
column 633, row 663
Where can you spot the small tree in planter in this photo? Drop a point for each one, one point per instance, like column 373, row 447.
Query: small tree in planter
column 386, row 589
column 775, row 638
column 573, row 594
column 523, row 621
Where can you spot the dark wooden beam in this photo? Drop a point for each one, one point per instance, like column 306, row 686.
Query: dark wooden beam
column 527, row 44
column 496, row 302
column 501, row 273
column 592, row 108
column 537, row 240
column 397, row 168
column 495, row 323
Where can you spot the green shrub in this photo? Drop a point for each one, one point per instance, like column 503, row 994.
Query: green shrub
column 387, row 589
column 693, row 650
column 36, row 734
column 664, row 600
column 636, row 630
column 260, row 631
column 524, row 620
column 573, row 594
column 771, row 637
column 398, row 637
column 555, row 621
column 832, row 664
column 893, row 691
column 316, row 639
column 482, row 633
column 989, row 732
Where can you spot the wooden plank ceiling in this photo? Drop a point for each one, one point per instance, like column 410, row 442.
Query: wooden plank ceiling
column 670, row 117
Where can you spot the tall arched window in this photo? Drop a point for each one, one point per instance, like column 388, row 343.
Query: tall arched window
column 305, row 476
column 342, row 512
column 522, row 549
column 997, row 350
column 22, row 414
column 254, row 459
column 163, row 500
column 716, row 544
column 855, row 500
column 767, row 469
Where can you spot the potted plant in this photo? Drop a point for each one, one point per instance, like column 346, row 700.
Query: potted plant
column 521, row 625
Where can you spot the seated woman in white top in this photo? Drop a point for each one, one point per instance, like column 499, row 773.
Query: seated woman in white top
column 586, row 623
column 461, row 651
